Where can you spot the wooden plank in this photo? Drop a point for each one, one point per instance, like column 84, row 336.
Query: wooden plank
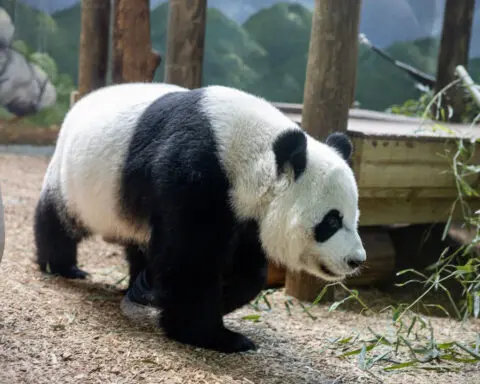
column 185, row 42
column 407, row 164
column 418, row 129
column 392, row 175
column 379, row 125
column 94, row 39
column 374, row 211
column 296, row 109
column 408, row 193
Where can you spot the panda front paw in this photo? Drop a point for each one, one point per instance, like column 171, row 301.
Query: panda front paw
column 221, row 340
column 70, row 272
column 232, row 342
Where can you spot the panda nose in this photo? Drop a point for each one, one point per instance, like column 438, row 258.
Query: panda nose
column 357, row 259
column 355, row 263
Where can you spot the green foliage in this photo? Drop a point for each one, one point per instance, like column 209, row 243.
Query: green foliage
column 405, row 345
column 44, row 61
column 22, row 47
column 412, row 107
column 416, row 108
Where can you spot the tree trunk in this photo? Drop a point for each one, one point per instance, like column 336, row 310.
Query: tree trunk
column 331, row 67
column 185, row 42
column 133, row 58
column 454, row 47
column 329, row 93
column 94, row 38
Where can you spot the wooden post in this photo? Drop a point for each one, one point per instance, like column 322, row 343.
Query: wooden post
column 329, row 92
column 331, row 67
column 454, row 47
column 185, row 42
column 94, row 38
column 133, row 59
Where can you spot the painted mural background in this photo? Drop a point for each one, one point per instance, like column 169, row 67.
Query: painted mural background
column 256, row 45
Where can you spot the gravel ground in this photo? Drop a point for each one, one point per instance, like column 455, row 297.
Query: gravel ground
column 57, row 331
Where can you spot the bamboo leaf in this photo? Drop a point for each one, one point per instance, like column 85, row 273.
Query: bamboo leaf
column 401, row 365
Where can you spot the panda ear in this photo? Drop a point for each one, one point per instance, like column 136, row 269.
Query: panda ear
column 290, row 147
column 341, row 143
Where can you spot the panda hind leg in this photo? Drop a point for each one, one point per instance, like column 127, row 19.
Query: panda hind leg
column 136, row 256
column 56, row 245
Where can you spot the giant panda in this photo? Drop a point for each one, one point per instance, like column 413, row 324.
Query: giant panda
column 201, row 187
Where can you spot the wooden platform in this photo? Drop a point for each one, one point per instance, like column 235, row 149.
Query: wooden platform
column 403, row 165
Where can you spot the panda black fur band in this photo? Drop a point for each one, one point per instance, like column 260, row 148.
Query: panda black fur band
column 200, row 187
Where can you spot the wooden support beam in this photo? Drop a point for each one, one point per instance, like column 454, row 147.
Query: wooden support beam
column 185, row 42
column 133, row 58
column 454, row 48
column 329, row 92
column 275, row 276
column 94, row 38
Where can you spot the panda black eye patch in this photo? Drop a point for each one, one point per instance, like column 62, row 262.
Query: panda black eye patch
column 331, row 223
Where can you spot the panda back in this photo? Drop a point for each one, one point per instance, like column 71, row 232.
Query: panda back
column 85, row 170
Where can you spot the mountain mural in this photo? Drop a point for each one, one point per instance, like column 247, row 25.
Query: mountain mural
column 383, row 21
column 264, row 53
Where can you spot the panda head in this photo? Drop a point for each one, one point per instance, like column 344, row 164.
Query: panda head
column 310, row 221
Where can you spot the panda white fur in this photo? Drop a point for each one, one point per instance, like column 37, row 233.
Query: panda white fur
column 201, row 187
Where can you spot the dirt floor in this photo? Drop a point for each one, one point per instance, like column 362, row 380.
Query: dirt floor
column 58, row 331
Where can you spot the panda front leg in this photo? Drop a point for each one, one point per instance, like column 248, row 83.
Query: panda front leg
column 56, row 246
column 247, row 274
column 241, row 282
column 188, row 276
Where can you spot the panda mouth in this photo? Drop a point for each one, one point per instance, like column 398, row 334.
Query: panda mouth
column 328, row 272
